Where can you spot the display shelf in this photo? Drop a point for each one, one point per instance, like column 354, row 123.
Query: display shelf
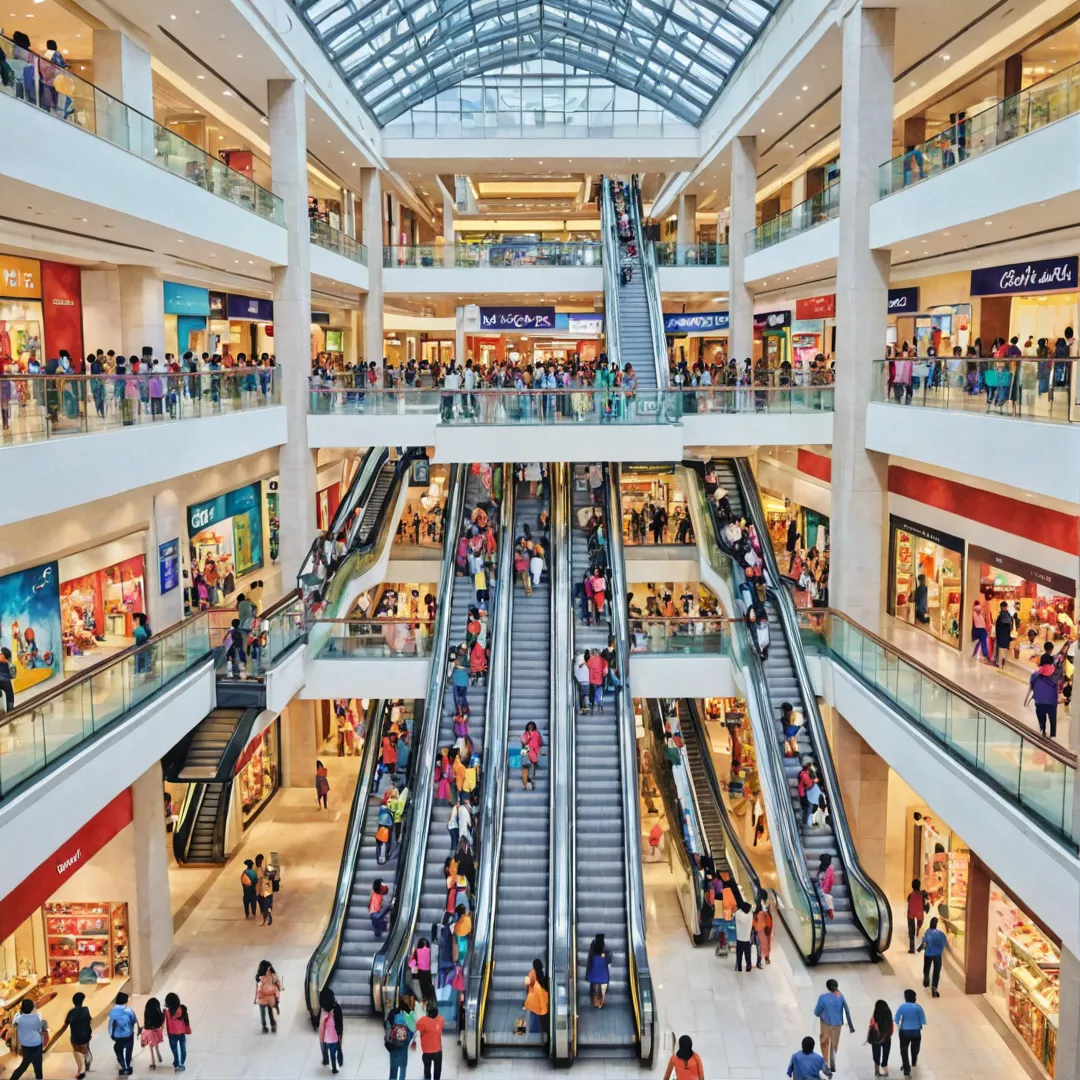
column 86, row 943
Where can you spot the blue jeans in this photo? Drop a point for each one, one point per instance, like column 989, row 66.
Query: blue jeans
column 981, row 642
column 598, row 694
column 178, row 1046
column 399, row 1062
column 461, row 696
column 331, row 1054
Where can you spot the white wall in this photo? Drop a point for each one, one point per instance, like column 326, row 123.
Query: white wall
column 570, row 442
column 796, row 486
column 392, row 677
column 757, row 429
column 101, row 309
column 58, row 474
column 495, row 280
column 820, row 244
column 692, row 279
column 329, row 264
column 671, row 675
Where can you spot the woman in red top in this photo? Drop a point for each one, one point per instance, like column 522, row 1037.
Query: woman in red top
column 430, row 1029
column 684, row 1063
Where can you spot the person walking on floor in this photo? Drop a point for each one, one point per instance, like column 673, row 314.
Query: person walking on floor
column 879, row 1036
column 744, row 933
column 979, row 634
column 33, row 1034
column 805, row 1064
column 268, row 987
column 910, row 1020
column 264, row 890
column 684, row 1063
column 123, row 1023
column 248, row 880
column 917, row 905
column 934, row 944
column 1043, row 688
column 430, row 1029
column 396, row 1040
column 832, row 1010
column 80, row 1027
column 322, row 786
column 153, row 1031
column 177, row 1028
column 1004, row 632
column 763, row 927
column 331, row 1025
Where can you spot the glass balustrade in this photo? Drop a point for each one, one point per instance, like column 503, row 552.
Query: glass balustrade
column 1025, row 389
column 1034, row 107
column 360, row 639
column 61, row 93
column 687, row 636
column 325, row 236
column 819, row 208
column 672, row 254
column 37, row 407
column 501, row 256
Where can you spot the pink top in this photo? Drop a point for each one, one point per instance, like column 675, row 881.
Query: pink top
column 175, row 1025
column 827, row 879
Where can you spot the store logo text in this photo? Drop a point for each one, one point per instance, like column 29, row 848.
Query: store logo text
column 67, row 864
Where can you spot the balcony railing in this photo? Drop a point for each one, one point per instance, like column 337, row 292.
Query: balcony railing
column 326, row 236
column 1024, row 389
column 689, row 636
column 672, row 254
column 819, row 208
column 587, row 405
column 373, row 639
column 1042, row 103
column 471, row 256
column 63, row 94
column 37, row 407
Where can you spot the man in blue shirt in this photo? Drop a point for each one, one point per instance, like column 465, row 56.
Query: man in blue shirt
column 910, row 1020
column 933, row 948
column 832, row 1009
column 122, row 1025
column 807, row 1065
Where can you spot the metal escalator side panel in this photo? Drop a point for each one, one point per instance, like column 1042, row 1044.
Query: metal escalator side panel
column 641, row 989
column 801, row 911
column 609, row 239
column 389, row 961
column 873, row 912
column 494, row 771
column 325, row 955
column 562, row 832
column 651, row 276
column 185, row 821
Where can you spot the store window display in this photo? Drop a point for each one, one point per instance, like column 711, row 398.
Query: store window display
column 944, row 862
column 30, row 624
column 226, row 540
column 97, row 610
column 927, row 575
column 654, row 509
column 257, row 773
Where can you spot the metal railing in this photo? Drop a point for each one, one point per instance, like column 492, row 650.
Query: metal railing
column 651, row 278
column 360, row 638
column 691, row 636
column 496, row 255
column 669, row 253
column 45, row 85
column 1025, row 389
column 819, row 208
column 326, row 236
column 38, row 407
column 1045, row 102
column 610, row 240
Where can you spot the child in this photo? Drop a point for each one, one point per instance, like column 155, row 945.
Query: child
column 234, row 651
column 178, row 1028
column 331, row 1023
column 792, row 720
column 379, row 892
column 153, row 1030
column 462, row 930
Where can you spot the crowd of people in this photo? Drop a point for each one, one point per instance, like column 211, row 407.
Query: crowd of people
column 651, row 522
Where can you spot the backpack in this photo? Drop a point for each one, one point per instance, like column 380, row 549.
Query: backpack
column 397, row 1033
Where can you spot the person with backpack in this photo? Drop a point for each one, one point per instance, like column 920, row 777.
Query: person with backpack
column 79, row 1024
column 396, row 1040
column 248, row 880
column 1043, row 688
column 268, row 987
column 879, row 1036
column 1004, row 632
column 177, row 1029
column 331, row 1025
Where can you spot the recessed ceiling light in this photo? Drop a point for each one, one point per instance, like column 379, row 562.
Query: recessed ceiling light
column 988, row 223
column 779, row 114
column 227, row 93
column 239, row 56
column 798, row 97
column 945, row 56
column 762, row 131
column 913, row 83
column 813, row 125
column 200, row 76
column 173, row 17
column 179, row 241
column 805, row 88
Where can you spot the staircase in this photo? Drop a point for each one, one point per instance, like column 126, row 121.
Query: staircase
column 521, row 921
column 351, row 978
column 208, row 744
column 601, row 875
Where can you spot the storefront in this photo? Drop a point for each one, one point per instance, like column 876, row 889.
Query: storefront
column 251, row 329
column 919, row 550
column 21, row 316
column 65, row 929
column 697, row 336
column 426, row 347
column 61, row 290
column 30, row 627
column 772, row 338
column 225, row 538
column 942, row 864
column 813, row 332
column 531, row 335
column 646, row 489
column 327, row 500
column 257, row 773
column 1044, row 602
column 187, row 312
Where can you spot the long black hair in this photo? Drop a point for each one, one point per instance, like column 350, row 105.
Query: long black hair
column 541, row 975
column 153, row 1017
column 883, row 1017
column 686, row 1048
column 172, row 1005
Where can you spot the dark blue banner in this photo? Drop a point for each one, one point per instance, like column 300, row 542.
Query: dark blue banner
column 904, row 301
column 169, row 565
column 1045, row 275
column 696, row 322
column 531, row 318
column 250, row 309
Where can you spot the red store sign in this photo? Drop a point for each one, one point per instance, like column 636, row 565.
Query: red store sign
column 816, row 307
column 61, row 287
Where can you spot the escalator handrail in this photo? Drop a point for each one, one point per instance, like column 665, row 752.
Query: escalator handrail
column 775, row 790
column 609, row 238
column 857, row 874
column 641, row 989
column 562, row 826
column 185, row 820
column 390, row 959
column 651, row 276
column 699, row 821
column 325, row 955
column 354, row 492
column 493, row 795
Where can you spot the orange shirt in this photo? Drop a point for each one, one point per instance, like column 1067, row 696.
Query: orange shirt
column 430, row 1032
column 685, row 1070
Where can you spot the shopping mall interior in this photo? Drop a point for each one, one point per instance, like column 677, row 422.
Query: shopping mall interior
column 461, row 663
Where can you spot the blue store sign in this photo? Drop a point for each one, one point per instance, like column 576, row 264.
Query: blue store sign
column 696, row 322
column 169, row 565
column 186, row 299
column 1045, row 275
column 250, row 309
column 532, row 318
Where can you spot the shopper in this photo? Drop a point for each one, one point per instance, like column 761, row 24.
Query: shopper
column 153, row 1031
column 178, row 1028
column 744, row 932
column 420, row 968
column 536, row 997
column 396, row 1040
column 1004, row 632
column 763, row 923
column 322, row 786
column 910, row 1020
column 248, row 880
column 826, row 878
column 879, row 1036
column 684, row 1064
column 123, row 1023
column 264, row 890
column 598, row 971
column 918, row 903
column 80, row 1027
column 268, row 987
column 141, row 634
column 531, row 741
column 934, row 944
column 331, row 1025
column 235, row 656
column 805, row 1064
column 33, row 1034
column 7, row 679
column 1043, row 688
column 430, row 1028
column 379, row 893
column 979, row 634
column 832, row 1010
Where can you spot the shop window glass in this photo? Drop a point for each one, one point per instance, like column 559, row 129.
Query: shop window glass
column 259, row 775
column 943, row 570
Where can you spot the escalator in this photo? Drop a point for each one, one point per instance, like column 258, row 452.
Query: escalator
column 522, row 914
column 650, row 281
column 367, row 519
column 608, row 889
column 861, row 928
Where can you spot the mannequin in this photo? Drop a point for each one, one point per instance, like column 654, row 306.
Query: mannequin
column 5, row 343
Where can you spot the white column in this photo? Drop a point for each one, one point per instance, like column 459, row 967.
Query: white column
column 292, row 320
column 356, row 337
column 122, row 69
column 299, row 743
column 1067, row 1055
column 142, row 310
column 859, row 477
column 150, row 916
column 459, row 335
column 687, row 222
column 743, row 212
column 166, row 525
column 798, row 189
column 348, row 213
column 373, row 238
column 448, row 229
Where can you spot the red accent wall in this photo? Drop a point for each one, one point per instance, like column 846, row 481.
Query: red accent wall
column 61, row 289
column 1019, row 517
column 816, row 465
column 18, row 906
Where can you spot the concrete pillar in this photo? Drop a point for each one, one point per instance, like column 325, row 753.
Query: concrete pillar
column 348, row 213
column 459, row 337
column 1067, row 1058
column 743, row 220
column 166, row 527
column 122, row 69
column 142, row 310
column 150, row 917
column 798, row 190
column 292, row 320
column 373, row 238
column 356, row 337
column 687, row 224
column 864, row 784
column 299, row 743
column 448, row 229
column 862, row 283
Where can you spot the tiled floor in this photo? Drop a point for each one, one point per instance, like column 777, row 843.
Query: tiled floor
column 744, row 1026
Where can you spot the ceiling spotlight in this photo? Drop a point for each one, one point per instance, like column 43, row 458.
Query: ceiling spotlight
column 805, row 88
